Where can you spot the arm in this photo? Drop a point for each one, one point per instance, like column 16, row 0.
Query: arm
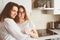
column 13, row 29
column 33, row 33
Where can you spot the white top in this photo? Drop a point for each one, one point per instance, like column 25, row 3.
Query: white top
column 4, row 34
column 27, row 25
column 13, row 30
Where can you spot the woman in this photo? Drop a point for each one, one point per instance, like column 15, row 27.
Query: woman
column 9, row 29
column 25, row 24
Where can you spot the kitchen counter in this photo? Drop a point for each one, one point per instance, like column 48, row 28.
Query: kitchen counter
column 56, row 30
column 53, row 36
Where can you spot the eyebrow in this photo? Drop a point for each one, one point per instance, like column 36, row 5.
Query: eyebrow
column 14, row 10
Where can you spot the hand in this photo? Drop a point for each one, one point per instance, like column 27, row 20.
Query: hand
column 25, row 32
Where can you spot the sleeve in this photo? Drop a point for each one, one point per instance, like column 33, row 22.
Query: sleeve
column 13, row 29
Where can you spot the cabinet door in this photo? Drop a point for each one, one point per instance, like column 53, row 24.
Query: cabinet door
column 56, row 6
column 56, row 11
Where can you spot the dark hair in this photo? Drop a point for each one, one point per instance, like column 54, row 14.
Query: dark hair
column 25, row 17
column 6, row 11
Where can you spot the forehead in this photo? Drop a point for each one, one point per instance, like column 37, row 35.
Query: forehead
column 21, row 9
column 14, row 7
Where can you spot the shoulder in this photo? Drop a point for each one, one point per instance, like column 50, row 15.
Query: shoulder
column 29, row 21
column 9, row 20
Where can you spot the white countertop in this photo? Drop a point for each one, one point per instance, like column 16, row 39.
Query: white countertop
column 52, row 36
column 56, row 30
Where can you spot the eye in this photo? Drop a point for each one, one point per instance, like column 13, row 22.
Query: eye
column 21, row 12
column 13, row 10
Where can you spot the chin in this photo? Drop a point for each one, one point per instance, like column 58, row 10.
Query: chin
column 13, row 17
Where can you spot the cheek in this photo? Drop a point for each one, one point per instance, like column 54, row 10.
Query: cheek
column 13, row 14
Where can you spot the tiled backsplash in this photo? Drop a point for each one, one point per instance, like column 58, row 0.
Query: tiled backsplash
column 41, row 20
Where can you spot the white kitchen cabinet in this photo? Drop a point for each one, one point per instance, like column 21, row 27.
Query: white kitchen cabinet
column 56, row 7
column 57, row 4
column 56, row 11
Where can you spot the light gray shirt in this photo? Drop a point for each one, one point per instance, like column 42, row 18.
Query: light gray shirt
column 27, row 25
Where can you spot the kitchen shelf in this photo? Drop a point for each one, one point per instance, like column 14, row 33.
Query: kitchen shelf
column 43, row 7
column 46, row 8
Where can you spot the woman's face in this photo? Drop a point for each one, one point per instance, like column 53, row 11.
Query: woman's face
column 21, row 13
column 13, row 12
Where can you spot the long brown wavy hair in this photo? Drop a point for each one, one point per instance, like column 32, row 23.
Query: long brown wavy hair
column 6, row 11
column 25, row 17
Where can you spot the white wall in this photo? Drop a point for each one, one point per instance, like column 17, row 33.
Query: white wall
column 25, row 3
column 0, row 5
column 40, row 19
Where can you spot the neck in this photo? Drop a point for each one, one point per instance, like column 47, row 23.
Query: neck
column 21, row 20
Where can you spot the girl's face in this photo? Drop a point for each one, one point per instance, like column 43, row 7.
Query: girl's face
column 21, row 13
column 13, row 12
